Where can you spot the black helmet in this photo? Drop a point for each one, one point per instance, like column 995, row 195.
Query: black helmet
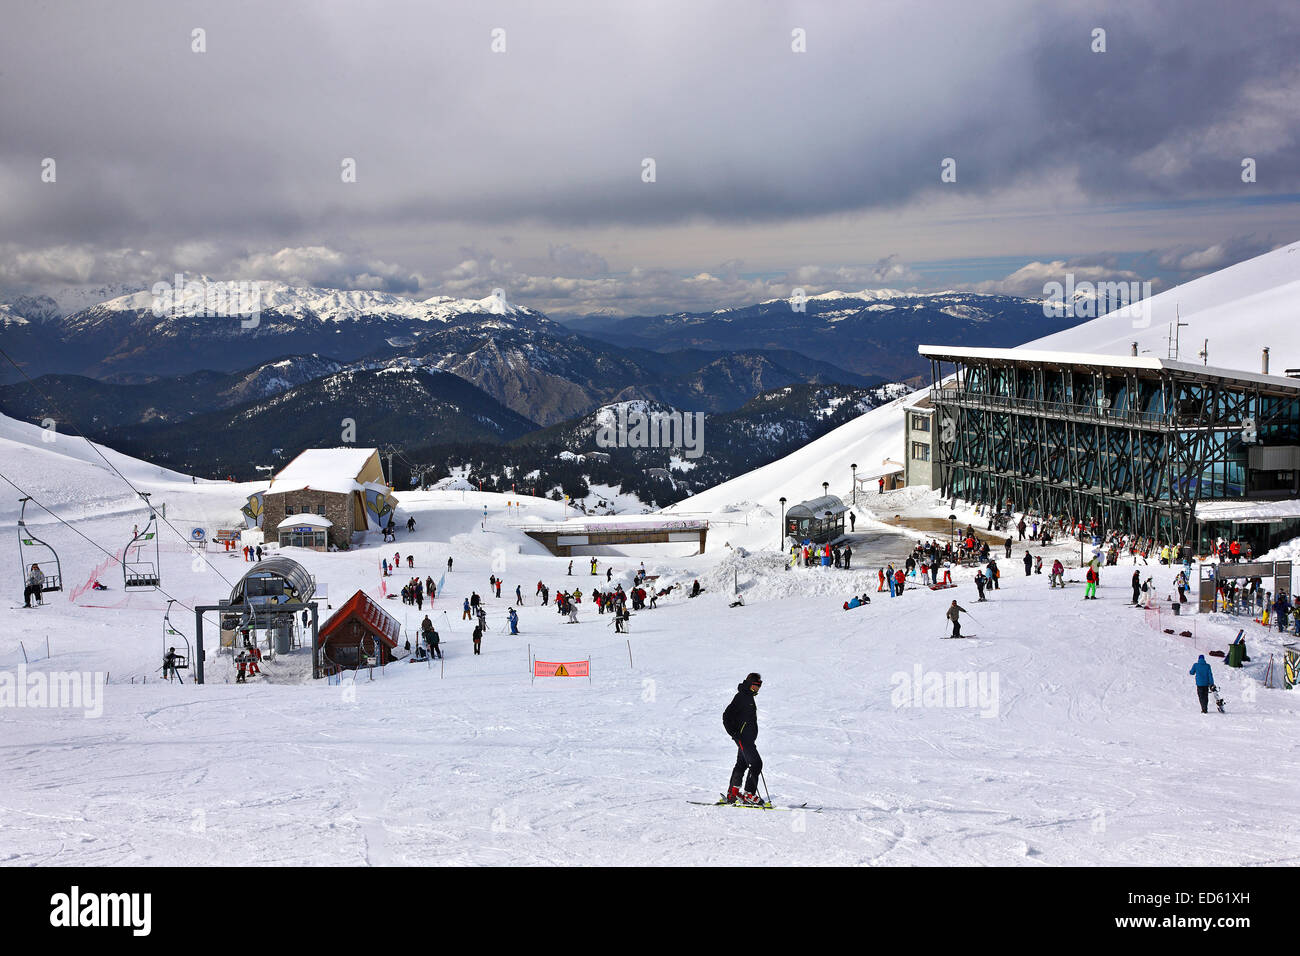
column 754, row 679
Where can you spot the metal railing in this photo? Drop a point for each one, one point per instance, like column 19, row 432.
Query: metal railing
column 960, row 396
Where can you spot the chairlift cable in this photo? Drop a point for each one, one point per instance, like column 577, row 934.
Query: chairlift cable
column 71, row 424
column 79, row 532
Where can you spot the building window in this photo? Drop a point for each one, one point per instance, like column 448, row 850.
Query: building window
column 288, row 509
column 320, row 510
column 920, row 451
column 920, row 423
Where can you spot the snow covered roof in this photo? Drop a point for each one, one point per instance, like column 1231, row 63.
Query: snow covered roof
column 1248, row 512
column 1092, row 359
column 305, row 520
column 332, row 470
column 880, row 471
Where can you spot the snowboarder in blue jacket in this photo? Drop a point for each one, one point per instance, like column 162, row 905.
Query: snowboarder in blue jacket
column 1204, row 681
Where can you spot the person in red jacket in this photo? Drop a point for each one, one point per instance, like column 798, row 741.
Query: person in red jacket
column 898, row 582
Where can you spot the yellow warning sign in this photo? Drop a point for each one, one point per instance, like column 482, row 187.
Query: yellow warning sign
column 561, row 672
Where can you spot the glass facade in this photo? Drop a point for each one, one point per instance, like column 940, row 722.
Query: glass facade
column 1132, row 448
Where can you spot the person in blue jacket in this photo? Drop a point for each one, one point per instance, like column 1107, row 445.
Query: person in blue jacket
column 1204, row 681
column 514, row 621
column 1281, row 607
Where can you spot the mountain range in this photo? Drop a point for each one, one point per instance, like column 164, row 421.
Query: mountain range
column 169, row 380
column 873, row 333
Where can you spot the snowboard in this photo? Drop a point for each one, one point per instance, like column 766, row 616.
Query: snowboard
column 1218, row 700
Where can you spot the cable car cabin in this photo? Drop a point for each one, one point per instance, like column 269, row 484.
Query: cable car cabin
column 810, row 521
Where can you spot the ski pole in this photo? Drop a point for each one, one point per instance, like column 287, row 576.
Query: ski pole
column 766, row 791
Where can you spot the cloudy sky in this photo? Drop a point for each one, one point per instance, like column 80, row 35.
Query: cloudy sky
column 506, row 145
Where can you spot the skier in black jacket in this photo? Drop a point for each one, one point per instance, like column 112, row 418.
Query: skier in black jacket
column 740, row 720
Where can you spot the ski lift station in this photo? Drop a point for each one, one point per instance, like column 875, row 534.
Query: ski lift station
column 1166, row 448
column 818, row 520
column 269, row 597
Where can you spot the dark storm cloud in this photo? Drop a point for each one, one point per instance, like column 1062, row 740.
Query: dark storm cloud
column 241, row 146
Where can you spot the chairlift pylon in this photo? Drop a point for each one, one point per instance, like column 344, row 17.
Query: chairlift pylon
column 47, row 559
column 138, row 573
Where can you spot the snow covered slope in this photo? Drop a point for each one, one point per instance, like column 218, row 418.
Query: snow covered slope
column 64, row 470
column 1068, row 751
column 1240, row 309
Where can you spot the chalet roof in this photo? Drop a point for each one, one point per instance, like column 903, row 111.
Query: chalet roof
column 363, row 609
column 332, row 470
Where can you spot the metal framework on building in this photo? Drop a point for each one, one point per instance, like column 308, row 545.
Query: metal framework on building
column 1133, row 444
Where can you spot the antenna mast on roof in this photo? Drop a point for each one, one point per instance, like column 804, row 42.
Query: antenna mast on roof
column 1174, row 326
column 1204, row 353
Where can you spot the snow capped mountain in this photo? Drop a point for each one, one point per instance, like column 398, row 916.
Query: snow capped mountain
column 9, row 317
column 32, row 308
column 200, row 295
column 873, row 332
column 200, row 323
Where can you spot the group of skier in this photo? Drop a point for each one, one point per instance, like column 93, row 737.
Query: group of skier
column 413, row 592
column 826, row 555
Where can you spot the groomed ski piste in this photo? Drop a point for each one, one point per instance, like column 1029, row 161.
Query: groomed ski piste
column 1084, row 744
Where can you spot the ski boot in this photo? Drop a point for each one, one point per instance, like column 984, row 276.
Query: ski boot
column 751, row 799
column 733, row 795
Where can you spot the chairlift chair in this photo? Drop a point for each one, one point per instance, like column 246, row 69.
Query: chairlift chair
column 29, row 546
column 170, row 632
column 139, row 574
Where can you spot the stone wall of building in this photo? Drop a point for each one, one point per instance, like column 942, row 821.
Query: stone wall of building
column 338, row 508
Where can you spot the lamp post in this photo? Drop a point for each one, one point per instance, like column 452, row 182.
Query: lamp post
column 826, row 488
column 952, row 532
column 828, row 522
column 855, row 483
column 782, row 524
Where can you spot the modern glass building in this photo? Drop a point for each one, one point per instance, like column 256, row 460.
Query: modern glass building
column 1134, row 442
